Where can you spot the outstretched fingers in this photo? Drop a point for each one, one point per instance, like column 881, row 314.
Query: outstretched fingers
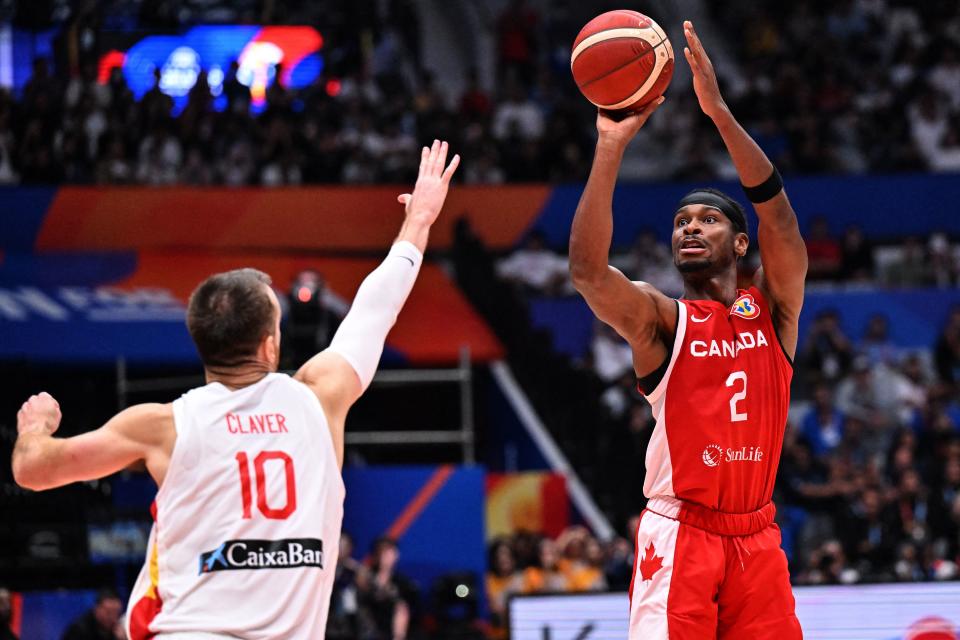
column 441, row 158
column 691, row 35
column 695, row 45
column 435, row 150
column 433, row 161
column 424, row 160
column 691, row 60
column 454, row 163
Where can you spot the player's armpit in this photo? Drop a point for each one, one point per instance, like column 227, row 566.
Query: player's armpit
column 334, row 381
column 784, row 309
column 142, row 432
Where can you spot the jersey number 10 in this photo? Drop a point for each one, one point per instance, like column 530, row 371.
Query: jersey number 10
column 261, row 477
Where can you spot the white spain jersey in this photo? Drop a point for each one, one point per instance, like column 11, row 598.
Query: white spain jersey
column 247, row 522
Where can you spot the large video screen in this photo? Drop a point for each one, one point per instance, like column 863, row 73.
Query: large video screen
column 928, row 611
column 259, row 52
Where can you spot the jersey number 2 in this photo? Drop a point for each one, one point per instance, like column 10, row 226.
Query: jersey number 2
column 736, row 416
column 261, row 477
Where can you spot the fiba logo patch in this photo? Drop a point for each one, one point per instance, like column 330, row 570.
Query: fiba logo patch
column 712, row 455
column 745, row 307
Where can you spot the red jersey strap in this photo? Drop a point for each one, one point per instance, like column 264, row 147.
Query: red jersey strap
column 718, row 522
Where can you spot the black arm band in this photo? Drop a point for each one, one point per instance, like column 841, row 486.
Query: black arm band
column 765, row 190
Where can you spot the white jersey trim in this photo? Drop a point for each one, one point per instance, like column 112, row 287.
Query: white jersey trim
column 659, row 477
column 654, row 396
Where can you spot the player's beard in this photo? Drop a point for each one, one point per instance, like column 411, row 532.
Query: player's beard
column 714, row 262
column 693, row 266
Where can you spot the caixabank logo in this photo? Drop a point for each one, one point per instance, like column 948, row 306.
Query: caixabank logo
column 234, row 555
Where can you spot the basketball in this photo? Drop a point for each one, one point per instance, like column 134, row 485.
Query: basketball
column 622, row 60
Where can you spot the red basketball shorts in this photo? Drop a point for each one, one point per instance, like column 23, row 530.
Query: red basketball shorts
column 701, row 573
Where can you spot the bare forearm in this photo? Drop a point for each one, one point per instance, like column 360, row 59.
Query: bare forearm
column 754, row 168
column 415, row 232
column 35, row 461
column 751, row 162
column 592, row 230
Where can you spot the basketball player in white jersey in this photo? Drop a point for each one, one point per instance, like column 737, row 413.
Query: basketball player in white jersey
column 250, row 502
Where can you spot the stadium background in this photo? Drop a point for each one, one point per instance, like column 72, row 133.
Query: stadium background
column 144, row 145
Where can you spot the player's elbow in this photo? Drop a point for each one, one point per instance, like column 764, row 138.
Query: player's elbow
column 584, row 276
column 803, row 264
column 26, row 474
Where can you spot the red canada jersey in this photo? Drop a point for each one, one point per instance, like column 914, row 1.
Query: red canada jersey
column 721, row 406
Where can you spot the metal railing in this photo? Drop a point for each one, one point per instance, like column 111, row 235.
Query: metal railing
column 461, row 375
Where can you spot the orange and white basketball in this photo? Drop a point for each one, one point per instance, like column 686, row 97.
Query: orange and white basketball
column 622, row 60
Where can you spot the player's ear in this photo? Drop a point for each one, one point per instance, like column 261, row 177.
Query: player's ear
column 741, row 242
column 269, row 350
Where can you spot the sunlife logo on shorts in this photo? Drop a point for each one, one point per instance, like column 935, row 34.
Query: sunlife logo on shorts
column 233, row 555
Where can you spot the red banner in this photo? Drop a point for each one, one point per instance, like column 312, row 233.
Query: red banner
column 314, row 218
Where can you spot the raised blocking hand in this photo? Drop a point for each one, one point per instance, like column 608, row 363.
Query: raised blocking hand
column 433, row 182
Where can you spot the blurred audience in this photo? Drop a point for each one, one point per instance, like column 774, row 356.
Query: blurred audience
column 345, row 618
column 823, row 251
column 102, row 622
column 372, row 600
column 826, row 352
column 535, row 268
column 574, row 562
column 878, row 108
column 946, row 352
column 650, row 261
column 390, row 596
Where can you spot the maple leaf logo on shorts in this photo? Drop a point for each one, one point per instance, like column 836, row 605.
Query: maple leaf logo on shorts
column 650, row 563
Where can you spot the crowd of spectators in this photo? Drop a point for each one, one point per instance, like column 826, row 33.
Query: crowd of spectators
column 360, row 122
column 870, row 473
column 878, row 91
column 573, row 562
column 888, row 103
column 371, row 600
column 103, row 621
column 853, row 259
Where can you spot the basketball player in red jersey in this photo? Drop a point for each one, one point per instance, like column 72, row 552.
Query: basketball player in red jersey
column 716, row 368
column 249, row 504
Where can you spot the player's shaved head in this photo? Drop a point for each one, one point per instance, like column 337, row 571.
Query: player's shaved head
column 229, row 314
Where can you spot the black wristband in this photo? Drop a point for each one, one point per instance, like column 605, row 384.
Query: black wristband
column 765, row 190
